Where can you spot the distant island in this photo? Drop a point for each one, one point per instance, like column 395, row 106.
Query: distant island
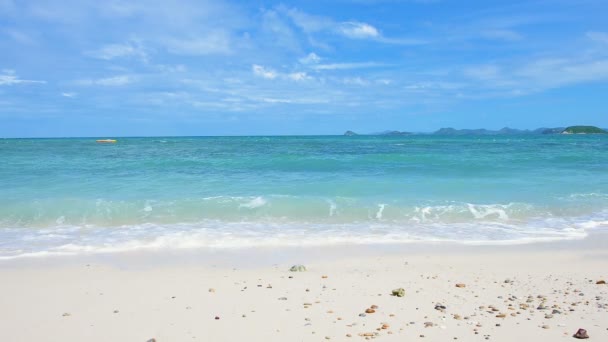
column 503, row 131
column 584, row 130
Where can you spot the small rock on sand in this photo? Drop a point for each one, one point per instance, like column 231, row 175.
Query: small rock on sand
column 297, row 268
column 460, row 285
column 600, row 282
column 581, row 334
column 400, row 292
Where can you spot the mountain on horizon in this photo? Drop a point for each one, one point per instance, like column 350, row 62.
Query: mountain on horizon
column 480, row 131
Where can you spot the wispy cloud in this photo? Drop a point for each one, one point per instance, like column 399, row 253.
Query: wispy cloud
column 212, row 43
column 601, row 37
column 114, row 81
column 311, row 58
column 346, row 66
column 358, row 81
column 20, row 36
column 271, row 74
column 9, row 77
column 307, row 22
column 68, row 94
column 129, row 49
column 313, row 24
column 357, row 30
column 482, row 72
column 535, row 76
column 263, row 72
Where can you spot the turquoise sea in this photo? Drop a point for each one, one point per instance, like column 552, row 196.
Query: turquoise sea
column 66, row 196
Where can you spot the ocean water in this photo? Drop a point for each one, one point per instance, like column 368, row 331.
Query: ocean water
column 69, row 196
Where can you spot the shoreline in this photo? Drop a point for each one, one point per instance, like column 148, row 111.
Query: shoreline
column 176, row 296
column 260, row 256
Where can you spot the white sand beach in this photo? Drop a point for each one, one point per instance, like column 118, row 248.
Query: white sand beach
column 536, row 292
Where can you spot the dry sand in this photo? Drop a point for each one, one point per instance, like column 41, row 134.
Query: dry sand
column 177, row 296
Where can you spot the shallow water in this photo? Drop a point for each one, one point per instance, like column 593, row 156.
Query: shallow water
column 64, row 196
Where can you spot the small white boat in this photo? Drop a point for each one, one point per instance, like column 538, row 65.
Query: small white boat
column 106, row 141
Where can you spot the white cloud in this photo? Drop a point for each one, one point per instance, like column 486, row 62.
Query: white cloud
column 273, row 100
column 114, row 81
column 311, row 58
column 171, row 68
column 272, row 74
column 357, row 30
column 345, row 66
column 535, row 76
column 70, row 94
column 550, row 73
column 111, row 51
column 601, row 37
column 263, row 72
column 298, row 76
column 483, row 72
column 9, row 77
column 309, row 23
column 280, row 31
column 20, row 37
column 358, row 81
column 211, row 43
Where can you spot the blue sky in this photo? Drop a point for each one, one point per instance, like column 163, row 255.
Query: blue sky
column 115, row 68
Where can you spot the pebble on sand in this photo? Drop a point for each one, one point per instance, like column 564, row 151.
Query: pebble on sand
column 400, row 292
column 461, row 285
column 297, row 268
column 600, row 282
column 581, row 334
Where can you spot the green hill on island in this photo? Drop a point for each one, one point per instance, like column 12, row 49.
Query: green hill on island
column 583, row 130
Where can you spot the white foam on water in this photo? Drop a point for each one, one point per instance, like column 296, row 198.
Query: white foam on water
column 254, row 203
column 458, row 222
column 332, row 208
column 483, row 211
column 71, row 240
column 380, row 210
